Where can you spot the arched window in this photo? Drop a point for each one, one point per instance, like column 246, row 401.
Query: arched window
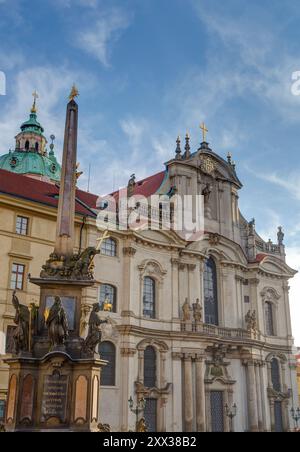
column 269, row 319
column 27, row 145
column 36, row 146
column 275, row 375
column 149, row 298
column 108, row 296
column 150, row 367
column 107, row 351
column 210, row 292
column 109, row 247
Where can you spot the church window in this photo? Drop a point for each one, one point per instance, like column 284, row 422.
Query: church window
column 27, row 145
column 275, row 375
column 2, row 410
column 107, row 351
column 278, row 416
column 109, row 248
column 36, row 146
column 269, row 319
column 150, row 367
column 210, row 292
column 108, row 298
column 17, row 277
column 149, row 298
column 22, row 225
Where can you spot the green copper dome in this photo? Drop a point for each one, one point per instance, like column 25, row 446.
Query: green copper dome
column 31, row 163
column 30, row 155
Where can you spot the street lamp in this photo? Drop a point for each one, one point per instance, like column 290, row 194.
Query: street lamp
column 139, row 408
column 231, row 413
column 296, row 416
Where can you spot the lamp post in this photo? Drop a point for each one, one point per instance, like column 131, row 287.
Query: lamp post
column 296, row 416
column 139, row 408
column 231, row 413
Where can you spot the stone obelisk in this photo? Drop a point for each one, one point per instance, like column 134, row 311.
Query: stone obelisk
column 54, row 383
column 64, row 245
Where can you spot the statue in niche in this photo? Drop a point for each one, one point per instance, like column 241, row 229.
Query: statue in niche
column 57, row 324
column 186, row 310
column 94, row 334
column 197, row 311
column 22, row 320
column 206, row 192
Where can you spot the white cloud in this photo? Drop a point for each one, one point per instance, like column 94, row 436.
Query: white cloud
column 290, row 183
column 98, row 39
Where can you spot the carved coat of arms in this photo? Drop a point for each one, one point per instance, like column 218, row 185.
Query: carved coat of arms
column 208, row 165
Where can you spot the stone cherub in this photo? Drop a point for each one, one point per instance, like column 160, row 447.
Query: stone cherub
column 197, row 311
column 22, row 320
column 94, row 334
column 186, row 310
column 57, row 324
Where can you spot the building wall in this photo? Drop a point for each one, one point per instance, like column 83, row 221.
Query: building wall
column 182, row 354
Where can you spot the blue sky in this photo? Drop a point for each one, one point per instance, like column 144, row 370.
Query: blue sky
column 148, row 70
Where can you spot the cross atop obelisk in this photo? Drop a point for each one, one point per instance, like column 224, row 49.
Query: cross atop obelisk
column 64, row 245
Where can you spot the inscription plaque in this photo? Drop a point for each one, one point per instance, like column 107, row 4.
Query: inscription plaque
column 54, row 399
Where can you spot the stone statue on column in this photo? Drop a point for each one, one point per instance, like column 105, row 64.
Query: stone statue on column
column 57, row 324
column 22, row 320
column 94, row 334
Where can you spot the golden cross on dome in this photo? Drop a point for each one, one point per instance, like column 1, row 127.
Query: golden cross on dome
column 35, row 97
column 74, row 93
column 204, row 131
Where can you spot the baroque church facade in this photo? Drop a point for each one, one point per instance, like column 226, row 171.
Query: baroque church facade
column 197, row 329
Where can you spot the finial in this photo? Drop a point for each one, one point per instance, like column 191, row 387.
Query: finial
column 178, row 148
column 229, row 158
column 204, row 132
column 52, row 138
column 187, row 146
column 74, row 93
column 35, row 97
column 233, row 165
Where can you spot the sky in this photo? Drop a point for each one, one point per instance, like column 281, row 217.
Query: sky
column 148, row 70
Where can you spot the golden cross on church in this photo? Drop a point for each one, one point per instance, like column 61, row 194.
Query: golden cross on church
column 204, row 131
column 35, row 97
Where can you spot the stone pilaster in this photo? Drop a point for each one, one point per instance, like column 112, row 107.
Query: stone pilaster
column 188, row 394
column 252, row 397
column 200, row 395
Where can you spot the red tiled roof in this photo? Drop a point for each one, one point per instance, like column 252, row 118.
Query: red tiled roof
column 145, row 187
column 260, row 257
column 35, row 190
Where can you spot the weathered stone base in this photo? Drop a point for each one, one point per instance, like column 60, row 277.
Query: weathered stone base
column 53, row 393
